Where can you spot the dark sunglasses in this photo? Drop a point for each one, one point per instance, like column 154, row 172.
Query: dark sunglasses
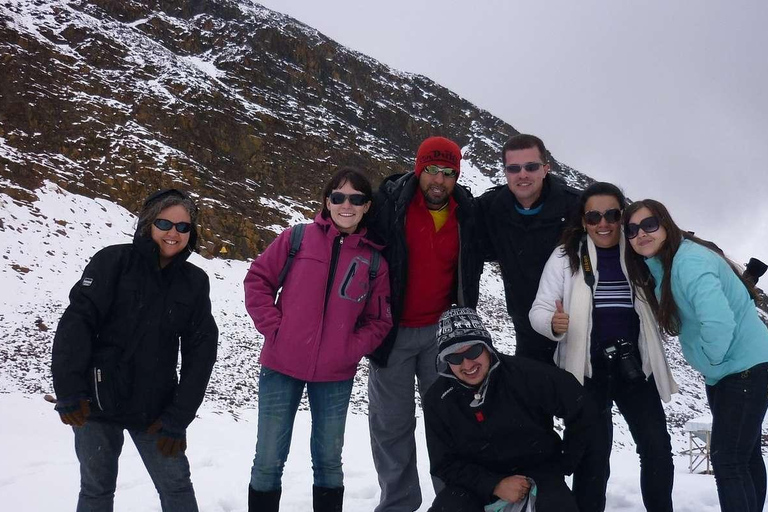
column 435, row 169
column 648, row 224
column 472, row 352
column 354, row 199
column 529, row 167
column 593, row 217
column 166, row 225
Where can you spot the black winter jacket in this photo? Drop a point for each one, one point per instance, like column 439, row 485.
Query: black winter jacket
column 522, row 245
column 512, row 432
column 386, row 226
column 124, row 299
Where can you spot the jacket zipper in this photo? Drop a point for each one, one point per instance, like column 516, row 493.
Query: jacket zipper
column 96, row 381
column 348, row 279
column 459, row 281
column 337, row 243
column 335, row 250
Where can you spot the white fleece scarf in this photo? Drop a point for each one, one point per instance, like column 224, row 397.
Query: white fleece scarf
column 576, row 349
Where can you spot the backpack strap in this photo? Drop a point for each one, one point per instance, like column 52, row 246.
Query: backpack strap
column 297, row 234
column 373, row 269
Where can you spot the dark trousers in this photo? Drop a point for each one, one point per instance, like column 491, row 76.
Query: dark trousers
column 738, row 403
column 552, row 495
column 641, row 407
column 531, row 344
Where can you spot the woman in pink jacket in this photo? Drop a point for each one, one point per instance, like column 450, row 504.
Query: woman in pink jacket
column 332, row 310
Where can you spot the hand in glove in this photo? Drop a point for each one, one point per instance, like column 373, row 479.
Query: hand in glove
column 170, row 442
column 73, row 412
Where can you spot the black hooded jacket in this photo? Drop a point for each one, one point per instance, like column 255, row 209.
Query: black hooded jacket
column 123, row 300
column 522, row 245
column 386, row 225
column 511, row 432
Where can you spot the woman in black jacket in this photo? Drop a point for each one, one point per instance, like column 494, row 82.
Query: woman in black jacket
column 116, row 349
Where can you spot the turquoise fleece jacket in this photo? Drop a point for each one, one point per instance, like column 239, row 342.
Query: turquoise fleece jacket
column 720, row 331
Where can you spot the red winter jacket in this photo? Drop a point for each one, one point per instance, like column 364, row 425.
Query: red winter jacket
column 304, row 337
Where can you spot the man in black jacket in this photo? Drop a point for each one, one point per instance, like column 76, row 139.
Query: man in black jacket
column 523, row 221
column 489, row 425
column 116, row 350
column 427, row 223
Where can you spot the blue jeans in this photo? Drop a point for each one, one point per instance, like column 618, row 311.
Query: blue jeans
column 98, row 446
column 738, row 403
column 279, row 397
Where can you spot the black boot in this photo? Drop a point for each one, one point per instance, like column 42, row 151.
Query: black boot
column 264, row 501
column 327, row 499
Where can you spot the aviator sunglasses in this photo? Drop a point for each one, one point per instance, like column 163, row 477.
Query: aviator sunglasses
column 529, row 167
column 593, row 217
column 166, row 225
column 435, row 169
column 471, row 353
column 648, row 224
column 354, row 199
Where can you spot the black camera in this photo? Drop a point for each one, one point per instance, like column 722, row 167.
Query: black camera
column 621, row 355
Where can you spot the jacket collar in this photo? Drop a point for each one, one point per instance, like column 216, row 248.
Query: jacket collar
column 150, row 253
column 478, row 393
column 550, row 201
column 357, row 238
column 404, row 186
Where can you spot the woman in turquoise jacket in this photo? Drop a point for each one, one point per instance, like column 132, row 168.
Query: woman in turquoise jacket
column 699, row 295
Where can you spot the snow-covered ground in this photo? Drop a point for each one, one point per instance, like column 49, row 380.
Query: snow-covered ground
column 44, row 245
column 39, row 472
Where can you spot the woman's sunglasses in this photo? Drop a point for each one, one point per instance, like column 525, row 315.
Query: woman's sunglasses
column 593, row 217
column 354, row 199
column 166, row 225
column 648, row 224
column 472, row 352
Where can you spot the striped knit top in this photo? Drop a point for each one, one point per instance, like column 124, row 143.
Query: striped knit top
column 613, row 313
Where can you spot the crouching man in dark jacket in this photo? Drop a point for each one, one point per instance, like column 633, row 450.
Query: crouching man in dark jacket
column 489, row 424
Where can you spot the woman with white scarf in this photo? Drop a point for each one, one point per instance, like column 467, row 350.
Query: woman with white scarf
column 609, row 340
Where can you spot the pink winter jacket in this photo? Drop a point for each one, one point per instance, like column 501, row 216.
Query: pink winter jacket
column 303, row 338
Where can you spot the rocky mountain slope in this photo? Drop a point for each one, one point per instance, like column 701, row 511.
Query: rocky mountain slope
column 246, row 107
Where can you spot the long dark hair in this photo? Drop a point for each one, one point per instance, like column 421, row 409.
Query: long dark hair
column 665, row 308
column 355, row 178
column 574, row 231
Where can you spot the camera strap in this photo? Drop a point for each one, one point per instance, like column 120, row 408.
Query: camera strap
column 586, row 264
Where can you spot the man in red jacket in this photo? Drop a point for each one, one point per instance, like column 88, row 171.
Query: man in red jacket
column 426, row 221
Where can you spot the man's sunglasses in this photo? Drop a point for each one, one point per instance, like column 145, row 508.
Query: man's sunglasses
column 435, row 169
column 529, row 167
column 354, row 199
column 648, row 224
column 166, row 225
column 472, row 352
column 593, row 217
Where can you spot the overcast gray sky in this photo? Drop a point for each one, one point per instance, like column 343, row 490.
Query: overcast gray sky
column 666, row 98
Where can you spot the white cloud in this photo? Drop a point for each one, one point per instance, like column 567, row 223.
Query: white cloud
column 667, row 99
